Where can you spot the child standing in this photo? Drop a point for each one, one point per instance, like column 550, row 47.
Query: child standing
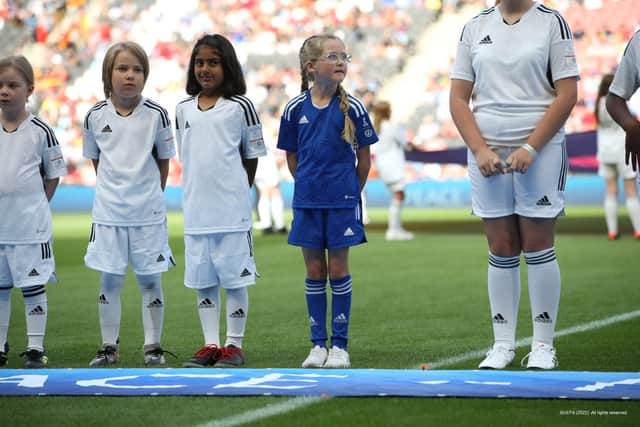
column 32, row 166
column 128, row 137
column 219, row 141
column 326, row 133
column 611, row 157
column 388, row 155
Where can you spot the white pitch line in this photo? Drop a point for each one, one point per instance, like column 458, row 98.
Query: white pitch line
column 301, row 402
column 265, row 412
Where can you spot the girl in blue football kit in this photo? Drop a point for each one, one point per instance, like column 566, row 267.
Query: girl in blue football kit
column 326, row 133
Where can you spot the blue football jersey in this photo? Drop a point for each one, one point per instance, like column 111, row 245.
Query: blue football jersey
column 326, row 173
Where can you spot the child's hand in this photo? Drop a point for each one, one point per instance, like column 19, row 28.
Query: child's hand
column 520, row 160
column 632, row 147
column 489, row 162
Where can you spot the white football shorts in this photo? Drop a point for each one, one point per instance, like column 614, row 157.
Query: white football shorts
column 224, row 259
column 613, row 170
column 26, row 265
column 111, row 248
column 538, row 193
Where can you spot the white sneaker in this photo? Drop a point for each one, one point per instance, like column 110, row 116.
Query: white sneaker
column 542, row 356
column 316, row 358
column 499, row 357
column 400, row 234
column 338, row 358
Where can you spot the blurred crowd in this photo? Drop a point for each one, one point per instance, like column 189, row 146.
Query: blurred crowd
column 66, row 40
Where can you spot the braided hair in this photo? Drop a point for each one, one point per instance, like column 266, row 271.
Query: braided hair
column 310, row 51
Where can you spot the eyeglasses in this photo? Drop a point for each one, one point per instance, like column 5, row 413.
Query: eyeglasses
column 335, row 56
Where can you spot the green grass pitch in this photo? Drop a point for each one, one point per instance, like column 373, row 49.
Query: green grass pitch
column 413, row 302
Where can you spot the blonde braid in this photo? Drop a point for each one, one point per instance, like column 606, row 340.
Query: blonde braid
column 349, row 131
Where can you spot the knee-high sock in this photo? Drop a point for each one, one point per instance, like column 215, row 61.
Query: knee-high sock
column 5, row 315
column 152, row 307
column 504, row 297
column 633, row 208
column 316, row 296
column 395, row 212
column 544, row 293
column 277, row 211
column 209, row 314
column 109, row 308
column 237, row 312
column 340, row 311
column 35, row 304
column 611, row 213
column 264, row 211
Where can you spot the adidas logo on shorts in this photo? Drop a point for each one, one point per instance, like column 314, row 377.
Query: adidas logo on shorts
column 160, row 258
column 245, row 273
column 544, row 201
column 34, row 273
column 349, row 232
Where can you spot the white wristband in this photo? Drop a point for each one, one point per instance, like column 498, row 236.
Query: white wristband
column 530, row 149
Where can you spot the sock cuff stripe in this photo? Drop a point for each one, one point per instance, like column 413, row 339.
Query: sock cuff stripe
column 500, row 262
column 341, row 287
column 315, row 282
column 33, row 291
column 315, row 292
column 540, row 257
column 346, row 292
column 338, row 282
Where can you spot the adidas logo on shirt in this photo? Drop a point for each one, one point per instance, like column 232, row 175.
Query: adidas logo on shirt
column 499, row 319
column 348, row 232
column 303, row 120
column 156, row 303
column 102, row 299
column 340, row 318
column 544, row 201
column 245, row 273
column 106, row 129
column 486, row 40
column 543, row 318
column 34, row 273
column 160, row 258
column 239, row 313
column 206, row 303
column 37, row 311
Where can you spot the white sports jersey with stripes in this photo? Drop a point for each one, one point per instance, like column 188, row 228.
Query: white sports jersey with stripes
column 27, row 155
column 211, row 146
column 528, row 56
column 627, row 79
column 128, row 188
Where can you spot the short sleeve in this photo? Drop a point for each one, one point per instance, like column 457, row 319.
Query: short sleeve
column 462, row 68
column 365, row 134
column 627, row 79
column 562, row 55
column 164, row 142
column 90, row 148
column 253, row 142
column 52, row 160
column 287, row 134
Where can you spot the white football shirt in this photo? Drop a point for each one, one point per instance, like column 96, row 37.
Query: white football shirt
column 128, row 191
column 389, row 152
column 610, row 136
column 211, row 147
column 514, row 68
column 627, row 78
column 27, row 155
